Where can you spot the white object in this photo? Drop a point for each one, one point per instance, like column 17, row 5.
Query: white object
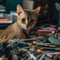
column 28, row 4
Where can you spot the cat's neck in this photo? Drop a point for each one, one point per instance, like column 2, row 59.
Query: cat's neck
column 19, row 28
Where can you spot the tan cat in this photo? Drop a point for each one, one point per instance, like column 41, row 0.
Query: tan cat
column 26, row 21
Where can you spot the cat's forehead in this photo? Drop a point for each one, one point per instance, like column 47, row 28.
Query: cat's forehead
column 28, row 14
column 23, row 15
column 31, row 14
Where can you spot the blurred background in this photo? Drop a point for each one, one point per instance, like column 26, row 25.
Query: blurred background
column 48, row 14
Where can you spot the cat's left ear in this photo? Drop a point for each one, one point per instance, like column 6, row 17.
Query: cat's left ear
column 37, row 10
column 19, row 9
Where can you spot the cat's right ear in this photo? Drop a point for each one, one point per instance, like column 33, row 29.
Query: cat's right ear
column 37, row 10
column 19, row 9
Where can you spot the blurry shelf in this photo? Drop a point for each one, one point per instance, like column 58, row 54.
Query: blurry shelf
column 6, row 21
column 2, row 10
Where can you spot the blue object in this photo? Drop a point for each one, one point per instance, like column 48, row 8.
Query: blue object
column 22, row 44
column 48, row 48
column 45, row 48
column 42, row 57
column 19, row 42
column 1, row 44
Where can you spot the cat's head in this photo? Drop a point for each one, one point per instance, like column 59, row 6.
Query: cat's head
column 27, row 19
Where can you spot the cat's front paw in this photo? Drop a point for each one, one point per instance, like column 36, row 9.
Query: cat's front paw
column 3, row 38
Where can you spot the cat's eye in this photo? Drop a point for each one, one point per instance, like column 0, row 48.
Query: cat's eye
column 31, row 20
column 23, row 20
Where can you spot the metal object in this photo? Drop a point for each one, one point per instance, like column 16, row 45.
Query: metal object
column 42, row 57
column 51, row 49
column 46, row 44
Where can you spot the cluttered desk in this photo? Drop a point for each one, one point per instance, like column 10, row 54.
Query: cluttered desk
column 40, row 46
column 43, row 43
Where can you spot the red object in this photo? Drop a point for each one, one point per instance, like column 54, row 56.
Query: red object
column 3, row 19
column 44, row 31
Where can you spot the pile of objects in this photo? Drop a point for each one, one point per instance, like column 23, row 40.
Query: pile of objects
column 41, row 45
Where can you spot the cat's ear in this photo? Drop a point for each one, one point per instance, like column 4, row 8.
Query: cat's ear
column 37, row 10
column 19, row 9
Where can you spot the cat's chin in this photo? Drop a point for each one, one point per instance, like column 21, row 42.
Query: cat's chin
column 25, row 29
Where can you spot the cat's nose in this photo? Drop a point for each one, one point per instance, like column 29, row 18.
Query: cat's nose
column 27, row 25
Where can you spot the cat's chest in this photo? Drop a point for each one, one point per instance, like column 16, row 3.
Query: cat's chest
column 19, row 32
column 21, row 35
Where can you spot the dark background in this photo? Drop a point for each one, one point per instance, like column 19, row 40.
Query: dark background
column 11, row 6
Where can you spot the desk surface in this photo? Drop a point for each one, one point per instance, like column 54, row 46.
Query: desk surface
column 38, row 48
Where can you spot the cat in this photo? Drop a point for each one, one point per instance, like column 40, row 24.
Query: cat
column 26, row 20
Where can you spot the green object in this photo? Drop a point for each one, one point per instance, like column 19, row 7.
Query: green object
column 54, row 40
column 11, row 4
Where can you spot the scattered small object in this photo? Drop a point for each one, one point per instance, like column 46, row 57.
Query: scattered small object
column 54, row 39
column 25, row 49
column 46, row 44
column 51, row 49
column 42, row 57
